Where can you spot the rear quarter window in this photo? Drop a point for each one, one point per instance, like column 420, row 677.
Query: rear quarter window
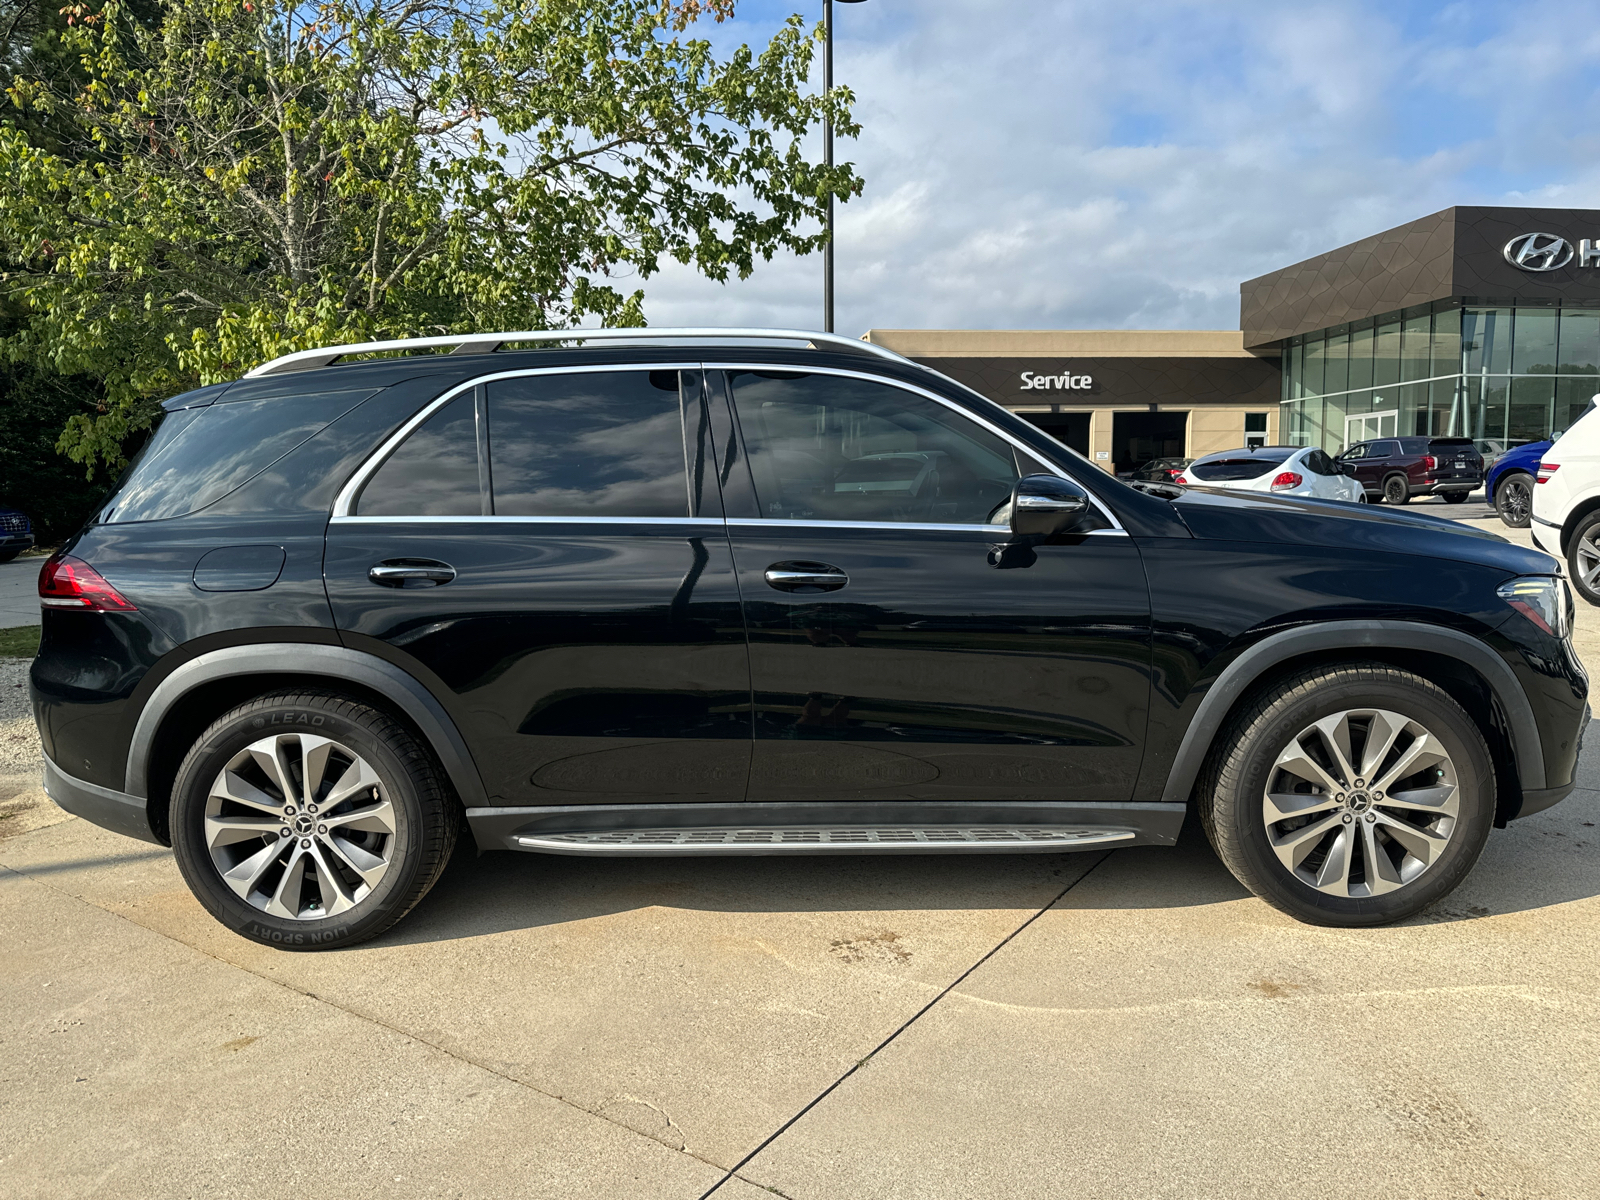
column 199, row 455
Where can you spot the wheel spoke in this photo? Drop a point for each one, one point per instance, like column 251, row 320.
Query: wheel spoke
column 285, row 900
column 243, row 876
column 336, row 897
column 314, row 753
column 269, row 756
column 377, row 818
column 1281, row 806
column 358, row 777
column 369, row 866
column 1440, row 801
column 1382, row 733
column 1335, row 733
column 1334, row 874
column 1421, row 843
column 1381, row 874
column 224, row 831
column 1293, row 847
column 1297, row 761
column 1425, row 751
column 230, row 786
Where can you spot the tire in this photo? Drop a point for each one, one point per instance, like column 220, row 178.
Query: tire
column 1396, row 490
column 1455, row 497
column 1513, row 499
column 1316, row 877
column 1583, row 558
column 397, row 820
column 7, row 555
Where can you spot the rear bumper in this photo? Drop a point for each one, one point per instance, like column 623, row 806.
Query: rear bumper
column 1546, row 536
column 116, row 811
column 1433, row 487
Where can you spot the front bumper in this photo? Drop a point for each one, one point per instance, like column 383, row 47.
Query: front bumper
column 14, row 541
column 116, row 811
column 1538, row 801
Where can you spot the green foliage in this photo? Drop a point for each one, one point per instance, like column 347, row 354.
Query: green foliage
column 236, row 179
column 35, row 406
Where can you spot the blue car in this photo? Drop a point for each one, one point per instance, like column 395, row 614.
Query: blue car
column 16, row 534
column 1509, row 486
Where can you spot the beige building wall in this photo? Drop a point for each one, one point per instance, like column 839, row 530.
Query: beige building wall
column 1209, row 429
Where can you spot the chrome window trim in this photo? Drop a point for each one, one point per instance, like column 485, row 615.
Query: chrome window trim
column 346, row 498
column 482, row 520
column 348, row 493
column 793, row 368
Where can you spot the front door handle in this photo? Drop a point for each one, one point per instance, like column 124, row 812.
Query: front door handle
column 411, row 573
column 805, row 577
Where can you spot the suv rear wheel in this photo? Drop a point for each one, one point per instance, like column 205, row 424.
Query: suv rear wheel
column 1351, row 796
column 306, row 820
column 1396, row 490
column 1513, row 499
column 1583, row 558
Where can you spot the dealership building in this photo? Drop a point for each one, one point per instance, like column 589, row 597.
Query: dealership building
column 1476, row 322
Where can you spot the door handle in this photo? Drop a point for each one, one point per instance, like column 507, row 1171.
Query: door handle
column 805, row 577
column 412, row 573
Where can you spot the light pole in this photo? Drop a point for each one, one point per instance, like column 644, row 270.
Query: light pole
column 827, row 158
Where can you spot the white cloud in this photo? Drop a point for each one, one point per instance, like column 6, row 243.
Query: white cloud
column 1090, row 165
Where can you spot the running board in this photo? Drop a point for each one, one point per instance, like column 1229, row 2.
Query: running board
column 823, row 839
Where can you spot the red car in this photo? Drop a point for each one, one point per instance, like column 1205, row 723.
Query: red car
column 1395, row 469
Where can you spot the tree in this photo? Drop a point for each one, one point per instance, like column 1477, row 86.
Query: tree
column 241, row 178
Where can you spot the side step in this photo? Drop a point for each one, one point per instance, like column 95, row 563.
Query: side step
column 823, row 839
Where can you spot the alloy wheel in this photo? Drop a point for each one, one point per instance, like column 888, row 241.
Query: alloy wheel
column 299, row 826
column 1395, row 491
column 1362, row 802
column 1516, row 501
column 1588, row 556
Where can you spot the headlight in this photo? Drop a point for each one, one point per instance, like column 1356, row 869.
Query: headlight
column 1543, row 599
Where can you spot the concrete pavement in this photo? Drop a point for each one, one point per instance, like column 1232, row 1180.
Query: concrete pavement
column 1113, row 1025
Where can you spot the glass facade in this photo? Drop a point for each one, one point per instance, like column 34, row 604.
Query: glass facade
column 1506, row 373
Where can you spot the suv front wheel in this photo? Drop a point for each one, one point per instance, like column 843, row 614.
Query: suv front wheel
column 1351, row 796
column 306, row 820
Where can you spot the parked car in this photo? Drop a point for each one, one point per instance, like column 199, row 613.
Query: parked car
column 1286, row 470
column 16, row 534
column 609, row 599
column 1396, row 469
column 1566, row 503
column 1159, row 470
column 1508, row 485
column 1489, row 449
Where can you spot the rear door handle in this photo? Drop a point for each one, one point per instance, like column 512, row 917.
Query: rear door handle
column 411, row 573
column 805, row 577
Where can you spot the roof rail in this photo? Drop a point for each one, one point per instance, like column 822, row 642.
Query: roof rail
column 487, row 343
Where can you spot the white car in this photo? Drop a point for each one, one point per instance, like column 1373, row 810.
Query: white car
column 1286, row 470
column 1566, row 503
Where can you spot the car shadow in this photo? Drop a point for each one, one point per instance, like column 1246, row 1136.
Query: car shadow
column 1546, row 860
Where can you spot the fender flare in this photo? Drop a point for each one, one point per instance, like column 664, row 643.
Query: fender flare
column 1242, row 672
column 298, row 658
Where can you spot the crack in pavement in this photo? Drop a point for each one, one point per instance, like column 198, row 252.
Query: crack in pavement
column 381, row 1024
column 943, row 992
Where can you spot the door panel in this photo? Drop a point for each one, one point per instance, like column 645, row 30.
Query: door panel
column 929, row 675
column 589, row 656
column 933, row 676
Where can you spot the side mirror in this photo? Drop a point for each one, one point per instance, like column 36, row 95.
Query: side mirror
column 1045, row 505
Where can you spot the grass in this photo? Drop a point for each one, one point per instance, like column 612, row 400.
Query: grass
column 22, row 642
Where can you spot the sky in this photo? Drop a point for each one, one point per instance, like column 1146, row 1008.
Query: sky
column 1082, row 164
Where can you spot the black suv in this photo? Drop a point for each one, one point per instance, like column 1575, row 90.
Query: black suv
column 1398, row 468
column 687, row 593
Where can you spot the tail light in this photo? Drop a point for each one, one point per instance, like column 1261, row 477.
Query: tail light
column 1430, row 463
column 67, row 582
column 1545, row 471
column 1287, row 480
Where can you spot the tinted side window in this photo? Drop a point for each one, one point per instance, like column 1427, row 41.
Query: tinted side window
column 198, row 456
column 592, row 444
column 1355, row 452
column 1385, row 449
column 1320, row 464
column 834, row 448
column 434, row 472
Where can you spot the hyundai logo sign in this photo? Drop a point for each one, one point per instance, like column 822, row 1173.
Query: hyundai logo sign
column 1541, row 251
